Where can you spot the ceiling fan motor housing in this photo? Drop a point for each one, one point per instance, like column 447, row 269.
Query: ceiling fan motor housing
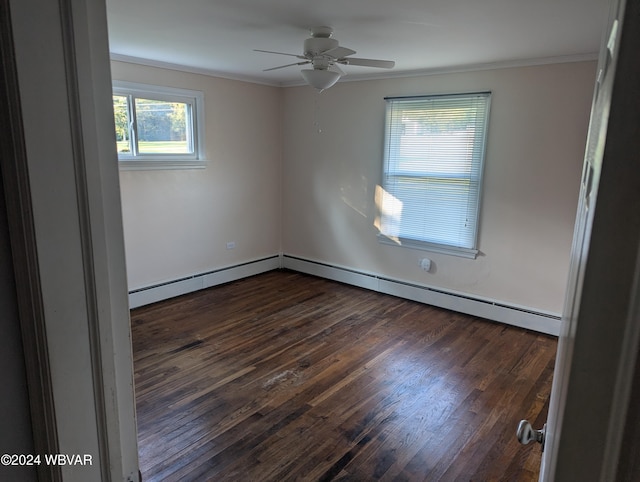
column 316, row 46
column 324, row 53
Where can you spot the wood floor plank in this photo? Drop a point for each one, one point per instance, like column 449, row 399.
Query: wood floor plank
column 284, row 376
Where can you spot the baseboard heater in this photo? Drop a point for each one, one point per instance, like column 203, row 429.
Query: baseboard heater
column 548, row 323
column 169, row 289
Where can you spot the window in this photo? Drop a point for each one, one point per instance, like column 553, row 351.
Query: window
column 158, row 127
column 433, row 158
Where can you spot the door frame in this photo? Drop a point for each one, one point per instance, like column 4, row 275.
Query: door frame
column 67, row 238
column 600, row 333
column 15, row 178
column 73, row 189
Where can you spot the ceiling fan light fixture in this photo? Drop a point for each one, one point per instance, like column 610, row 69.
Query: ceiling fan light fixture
column 319, row 78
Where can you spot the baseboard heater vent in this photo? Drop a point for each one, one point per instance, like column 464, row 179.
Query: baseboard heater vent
column 188, row 284
column 523, row 317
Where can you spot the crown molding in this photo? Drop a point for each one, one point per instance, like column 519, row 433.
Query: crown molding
column 561, row 59
column 507, row 64
column 193, row 70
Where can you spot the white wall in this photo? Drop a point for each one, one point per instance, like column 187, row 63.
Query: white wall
column 177, row 222
column 332, row 158
column 295, row 171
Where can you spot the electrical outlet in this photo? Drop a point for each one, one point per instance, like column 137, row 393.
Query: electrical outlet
column 231, row 244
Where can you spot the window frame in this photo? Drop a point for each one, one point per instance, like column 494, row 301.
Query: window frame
column 389, row 145
column 193, row 98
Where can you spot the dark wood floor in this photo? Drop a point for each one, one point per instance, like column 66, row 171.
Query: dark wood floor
column 284, row 376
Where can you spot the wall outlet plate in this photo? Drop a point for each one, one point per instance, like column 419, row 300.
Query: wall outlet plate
column 425, row 264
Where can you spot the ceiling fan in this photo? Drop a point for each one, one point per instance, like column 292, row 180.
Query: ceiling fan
column 324, row 53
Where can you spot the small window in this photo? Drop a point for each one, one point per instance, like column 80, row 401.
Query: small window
column 158, row 127
column 433, row 160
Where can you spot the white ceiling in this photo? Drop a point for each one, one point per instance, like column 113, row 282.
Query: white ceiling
column 218, row 36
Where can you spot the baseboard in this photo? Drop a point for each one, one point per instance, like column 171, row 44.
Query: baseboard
column 531, row 319
column 523, row 317
column 162, row 291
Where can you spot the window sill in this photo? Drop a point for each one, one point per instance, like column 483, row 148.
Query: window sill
column 158, row 165
column 424, row 246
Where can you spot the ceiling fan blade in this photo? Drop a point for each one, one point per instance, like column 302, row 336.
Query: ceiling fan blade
column 288, row 65
column 383, row 64
column 339, row 52
column 279, row 53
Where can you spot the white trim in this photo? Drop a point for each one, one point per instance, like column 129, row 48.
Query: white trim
column 156, row 164
column 177, row 93
column 431, row 247
column 507, row 64
column 511, row 314
column 68, row 139
column 195, row 98
column 193, row 70
column 169, row 289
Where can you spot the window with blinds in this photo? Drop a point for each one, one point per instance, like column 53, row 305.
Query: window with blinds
column 433, row 160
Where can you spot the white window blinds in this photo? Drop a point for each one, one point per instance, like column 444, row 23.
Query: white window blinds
column 433, row 159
